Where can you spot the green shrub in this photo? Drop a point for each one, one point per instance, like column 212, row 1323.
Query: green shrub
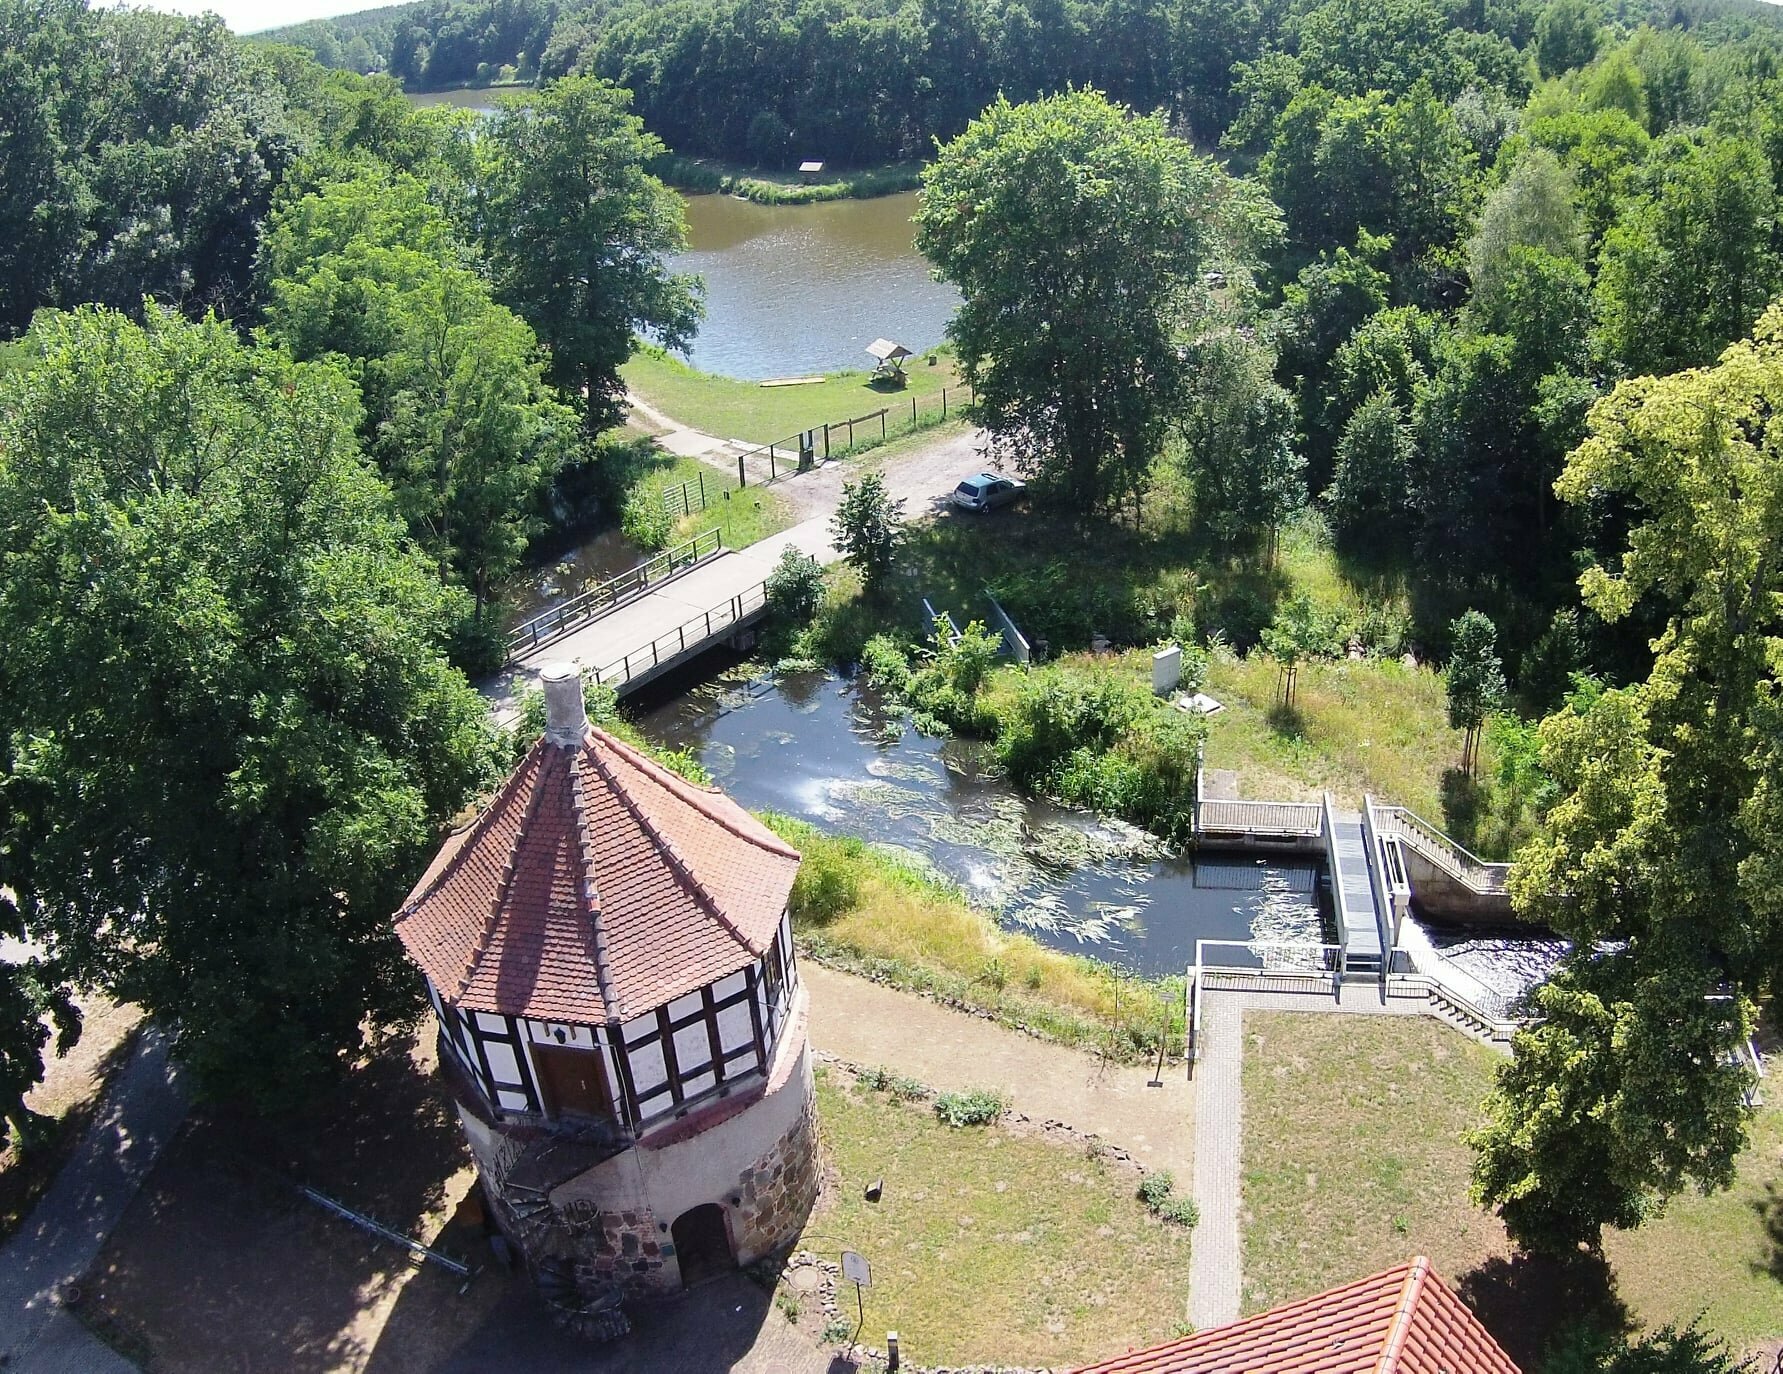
column 980, row 1107
column 828, row 884
column 874, row 1078
column 908, row 1089
column 1155, row 1189
column 795, row 586
column 646, row 519
column 886, row 664
column 1181, row 1211
column 1158, row 1192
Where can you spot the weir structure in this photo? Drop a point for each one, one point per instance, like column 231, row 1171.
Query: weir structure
column 1377, row 858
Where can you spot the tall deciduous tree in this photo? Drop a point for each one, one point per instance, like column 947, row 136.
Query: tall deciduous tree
column 1237, row 429
column 1370, row 494
column 1070, row 226
column 869, row 529
column 457, row 414
column 578, row 233
column 1663, row 858
column 226, row 710
column 1474, row 678
column 1690, row 266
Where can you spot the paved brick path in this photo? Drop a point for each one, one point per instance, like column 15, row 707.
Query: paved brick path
column 1216, row 1263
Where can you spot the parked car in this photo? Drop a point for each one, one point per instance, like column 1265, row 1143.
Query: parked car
column 986, row 491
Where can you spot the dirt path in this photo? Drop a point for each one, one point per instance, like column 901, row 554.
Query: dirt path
column 919, row 470
column 867, row 1024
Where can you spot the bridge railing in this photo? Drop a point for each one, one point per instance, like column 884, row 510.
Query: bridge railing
column 1447, row 854
column 604, row 596
column 690, row 636
column 1221, row 816
column 1258, row 966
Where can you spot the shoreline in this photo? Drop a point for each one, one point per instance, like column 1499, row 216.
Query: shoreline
column 766, row 187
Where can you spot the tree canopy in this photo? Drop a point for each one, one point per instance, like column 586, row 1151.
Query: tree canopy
column 1661, row 858
column 577, row 233
column 231, row 735
column 1071, row 226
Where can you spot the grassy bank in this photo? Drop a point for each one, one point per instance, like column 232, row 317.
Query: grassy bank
column 863, row 910
column 1353, row 1161
column 758, row 414
column 741, row 516
column 767, row 186
column 990, row 1244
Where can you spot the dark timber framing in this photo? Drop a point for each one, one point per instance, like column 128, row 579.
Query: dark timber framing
column 766, row 986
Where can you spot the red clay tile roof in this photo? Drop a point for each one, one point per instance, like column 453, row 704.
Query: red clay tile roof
column 595, row 886
column 1402, row 1321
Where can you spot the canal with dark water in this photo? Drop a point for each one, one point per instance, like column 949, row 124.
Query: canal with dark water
column 826, row 749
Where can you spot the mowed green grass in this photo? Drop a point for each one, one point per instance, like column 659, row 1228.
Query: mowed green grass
column 1353, row 1156
column 741, row 516
column 1364, row 725
column 1354, row 1161
column 989, row 1247
column 733, row 409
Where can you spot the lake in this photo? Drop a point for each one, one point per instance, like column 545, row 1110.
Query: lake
column 796, row 289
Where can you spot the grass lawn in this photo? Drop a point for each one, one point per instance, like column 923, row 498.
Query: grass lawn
column 1357, row 726
column 761, row 414
column 740, row 516
column 990, row 1245
column 1353, row 1161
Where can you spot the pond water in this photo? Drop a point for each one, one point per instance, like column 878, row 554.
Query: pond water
column 796, row 289
column 824, row 749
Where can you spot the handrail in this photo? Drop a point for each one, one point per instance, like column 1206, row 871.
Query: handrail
column 668, row 647
column 1235, row 814
column 1498, row 1024
column 1454, row 858
column 603, row 596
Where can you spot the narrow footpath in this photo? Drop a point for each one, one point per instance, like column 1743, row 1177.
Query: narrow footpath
column 62, row 1237
column 867, row 1024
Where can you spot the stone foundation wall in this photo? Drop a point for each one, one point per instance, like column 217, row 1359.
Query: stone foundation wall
column 777, row 1194
column 627, row 1248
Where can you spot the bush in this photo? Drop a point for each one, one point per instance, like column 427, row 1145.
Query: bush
column 886, row 665
column 980, row 1107
column 795, row 586
column 828, row 884
column 1155, row 1189
column 646, row 519
column 1158, row 1193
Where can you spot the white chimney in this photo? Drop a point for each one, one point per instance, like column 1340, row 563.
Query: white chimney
column 566, row 715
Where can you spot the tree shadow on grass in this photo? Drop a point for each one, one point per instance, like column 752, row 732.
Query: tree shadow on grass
column 1526, row 1300
column 1770, row 1217
column 1463, row 804
column 1286, row 720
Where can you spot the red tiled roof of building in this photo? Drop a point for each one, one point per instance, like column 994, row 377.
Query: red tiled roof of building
column 595, row 886
column 1401, row 1321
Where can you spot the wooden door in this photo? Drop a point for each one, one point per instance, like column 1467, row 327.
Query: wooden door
column 571, row 1082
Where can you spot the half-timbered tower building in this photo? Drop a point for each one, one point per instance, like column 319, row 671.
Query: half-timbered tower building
column 608, row 954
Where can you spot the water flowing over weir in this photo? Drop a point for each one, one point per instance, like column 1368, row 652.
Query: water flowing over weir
column 828, row 751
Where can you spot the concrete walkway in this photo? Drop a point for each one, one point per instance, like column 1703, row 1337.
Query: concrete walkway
column 1216, row 1263
column 867, row 1024
column 62, row 1237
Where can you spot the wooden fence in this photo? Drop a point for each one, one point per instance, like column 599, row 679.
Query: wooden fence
column 837, row 438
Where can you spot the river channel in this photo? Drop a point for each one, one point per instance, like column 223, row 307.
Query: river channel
column 826, row 749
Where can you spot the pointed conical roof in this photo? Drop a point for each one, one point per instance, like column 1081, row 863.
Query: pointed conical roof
column 594, row 887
